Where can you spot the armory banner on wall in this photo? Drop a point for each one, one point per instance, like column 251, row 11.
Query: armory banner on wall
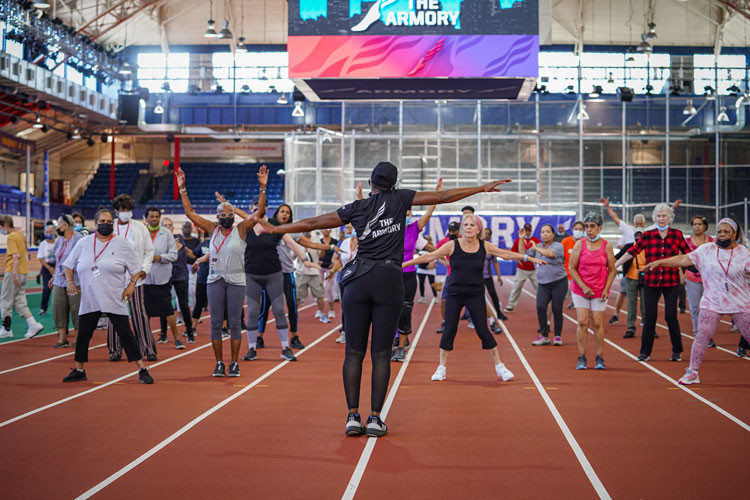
column 231, row 149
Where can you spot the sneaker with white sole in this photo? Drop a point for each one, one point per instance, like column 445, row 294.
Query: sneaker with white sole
column 354, row 425
column 471, row 324
column 440, row 373
column 421, row 300
column 331, row 314
column 376, row 427
column 599, row 363
column 503, row 372
column 287, row 354
column 341, row 339
column 324, row 319
column 557, row 341
column 34, row 330
column 234, row 369
column 582, row 363
column 541, row 340
column 690, row 377
column 5, row 333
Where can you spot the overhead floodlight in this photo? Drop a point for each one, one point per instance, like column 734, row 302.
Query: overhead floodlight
column 734, row 90
column 709, row 92
column 241, row 47
column 225, row 33
column 651, row 34
column 689, row 108
column 75, row 135
column 582, row 114
column 282, row 99
column 610, row 80
column 158, row 109
column 126, row 69
column 596, row 91
column 722, row 117
column 210, row 32
column 38, row 123
column 41, row 4
column 630, row 58
column 298, row 112
column 644, row 47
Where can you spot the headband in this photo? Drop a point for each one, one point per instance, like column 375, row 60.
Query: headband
column 729, row 222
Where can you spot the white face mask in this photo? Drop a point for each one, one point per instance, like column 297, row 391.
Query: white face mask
column 577, row 234
column 125, row 216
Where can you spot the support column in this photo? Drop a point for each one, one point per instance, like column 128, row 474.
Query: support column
column 479, row 148
column 538, row 153
column 624, row 159
column 112, row 171
column 27, row 222
column 580, row 159
column 46, row 186
column 666, row 145
column 175, row 188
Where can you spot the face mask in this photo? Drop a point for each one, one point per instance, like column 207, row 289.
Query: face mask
column 724, row 243
column 408, row 220
column 153, row 228
column 3, row 231
column 560, row 234
column 226, row 222
column 61, row 232
column 125, row 216
column 594, row 239
column 577, row 234
column 78, row 227
column 528, row 237
column 105, row 228
column 348, row 235
column 662, row 228
column 49, row 236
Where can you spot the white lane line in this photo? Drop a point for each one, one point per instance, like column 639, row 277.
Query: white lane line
column 135, row 463
column 47, row 360
column 38, row 336
column 588, row 469
column 359, row 471
column 111, row 382
column 665, row 377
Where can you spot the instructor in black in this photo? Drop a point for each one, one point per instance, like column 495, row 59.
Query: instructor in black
column 373, row 282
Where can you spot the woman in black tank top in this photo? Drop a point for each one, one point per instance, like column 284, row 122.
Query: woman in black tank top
column 465, row 287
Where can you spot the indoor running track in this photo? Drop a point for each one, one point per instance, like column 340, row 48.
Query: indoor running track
column 277, row 431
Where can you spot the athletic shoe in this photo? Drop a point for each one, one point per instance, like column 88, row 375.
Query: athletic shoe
column 656, row 335
column 682, row 311
column 582, row 363
column 614, row 319
column 643, row 357
column 734, row 329
column 295, row 343
column 61, row 345
column 190, row 338
column 541, row 340
column 354, row 425
column 436, row 300
column 442, row 327
column 178, row 345
column 331, row 314
column 503, row 372
column 341, row 339
column 600, row 363
column 557, row 341
column 5, row 333
column 570, row 306
column 115, row 357
column 408, row 343
column 42, row 312
column 421, row 300
column 224, row 333
column 324, row 319
column 260, row 343
column 76, row 375
column 502, row 317
column 440, row 373
column 317, row 313
column 251, row 355
column 495, row 329
column 399, row 354
column 376, row 427
column 741, row 352
column 220, row 370
column 471, row 324
column 144, row 376
column 629, row 335
column 690, row 377
column 711, row 343
column 149, row 357
column 234, row 369
column 675, row 357
column 33, row 330
column 162, row 339
column 509, row 309
column 287, row 354
column 396, row 340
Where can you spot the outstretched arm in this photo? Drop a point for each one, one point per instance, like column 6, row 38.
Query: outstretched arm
column 451, row 195
column 196, row 219
column 681, row 260
column 605, row 203
column 441, row 252
column 508, row 255
column 249, row 222
column 308, row 243
column 425, row 218
column 325, row 221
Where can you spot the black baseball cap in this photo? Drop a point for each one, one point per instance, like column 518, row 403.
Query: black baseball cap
column 454, row 226
column 385, row 175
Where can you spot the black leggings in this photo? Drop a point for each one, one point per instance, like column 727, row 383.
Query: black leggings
column 489, row 284
column 86, row 326
column 373, row 299
column 651, row 301
column 290, row 292
column 551, row 292
column 410, row 290
column 183, row 300
column 46, row 290
column 201, row 300
column 477, row 310
column 431, row 279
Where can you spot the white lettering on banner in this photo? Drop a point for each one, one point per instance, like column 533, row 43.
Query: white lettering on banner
column 223, row 150
column 534, row 222
column 506, row 233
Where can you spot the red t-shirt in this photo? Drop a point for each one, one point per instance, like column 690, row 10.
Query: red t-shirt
column 526, row 266
column 441, row 243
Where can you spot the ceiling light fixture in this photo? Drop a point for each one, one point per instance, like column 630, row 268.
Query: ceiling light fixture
column 225, row 33
column 298, row 112
column 651, row 34
column 41, row 4
column 582, row 114
column 722, row 117
column 38, row 123
column 75, row 134
column 282, row 99
column 210, row 32
column 158, row 109
column 596, row 91
column 689, row 108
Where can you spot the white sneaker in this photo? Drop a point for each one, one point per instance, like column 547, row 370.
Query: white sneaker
column 5, row 334
column 440, row 373
column 324, row 319
column 503, row 372
column 437, row 300
column 331, row 314
column 471, row 324
column 341, row 339
column 421, row 300
column 33, row 330
column 317, row 313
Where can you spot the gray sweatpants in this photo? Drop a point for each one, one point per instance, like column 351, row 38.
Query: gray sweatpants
column 694, row 293
column 225, row 297
column 520, row 279
column 274, row 285
column 14, row 297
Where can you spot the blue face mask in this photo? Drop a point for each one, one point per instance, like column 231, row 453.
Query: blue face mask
column 594, row 239
column 662, row 228
column 408, row 220
column 77, row 227
column 49, row 236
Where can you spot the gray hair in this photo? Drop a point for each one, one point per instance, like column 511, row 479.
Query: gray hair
column 223, row 205
column 639, row 217
column 662, row 207
column 594, row 217
column 104, row 210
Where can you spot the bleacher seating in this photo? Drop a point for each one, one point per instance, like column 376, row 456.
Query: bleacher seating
column 13, row 202
column 97, row 192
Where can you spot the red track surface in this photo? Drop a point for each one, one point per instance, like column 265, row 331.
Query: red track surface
column 471, row 436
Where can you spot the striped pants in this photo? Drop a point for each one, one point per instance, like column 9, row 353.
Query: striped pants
column 141, row 328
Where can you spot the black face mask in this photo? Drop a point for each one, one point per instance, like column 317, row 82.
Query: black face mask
column 60, row 232
column 226, row 222
column 724, row 243
column 105, row 228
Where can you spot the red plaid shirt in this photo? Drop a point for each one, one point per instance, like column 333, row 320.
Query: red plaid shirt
column 657, row 248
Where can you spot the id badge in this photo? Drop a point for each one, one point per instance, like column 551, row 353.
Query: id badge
column 214, row 260
column 95, row 271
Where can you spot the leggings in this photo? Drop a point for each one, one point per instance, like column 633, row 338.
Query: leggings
column 141, row 327
column 374, row 299
column 46, row 290
column 274, row 286
column 290, row 292
column 477, row 310
column 551, row 292
column 119, row 322
column 651, row 300
column 201, row 300
column 225, row 301
column 431, row 279
column 489, row 284
column 410, row 290
column 343, row 316
column 707, row 323
column 183, row 300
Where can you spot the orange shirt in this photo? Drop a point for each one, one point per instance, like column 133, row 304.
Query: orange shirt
column 633, row 270
column 568, row 244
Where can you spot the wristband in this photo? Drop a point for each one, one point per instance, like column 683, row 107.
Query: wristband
column 332, row 247
column 183, row 191
column 263, row 191
column 525, row 258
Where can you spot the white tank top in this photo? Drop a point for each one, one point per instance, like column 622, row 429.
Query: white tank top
column 227, row 258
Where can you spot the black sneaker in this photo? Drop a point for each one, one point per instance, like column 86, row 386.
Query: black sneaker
column 643, row 357
column 76, row 375
column 114, row 357
column 287, row 354
column 190, row 338
column 570, row 306
column 220, row 370
column 408, row 344
column 675, row 357
column 162, row 339
column 614, row 319
column 741, row 352
column 234, row 369
column 711, row 343
column 149, row 357
column 354, row 425
column 61, row 344
column 251, row 355
column 144, row 376
column 495, row 329
column 628, row 335
column 442, row 327
column 224, row 333
column 502, row 317
column 295, row 343
column 399, row 354
column 178, row 345
column 376, row 427
column 260, row 344
column 656, row 335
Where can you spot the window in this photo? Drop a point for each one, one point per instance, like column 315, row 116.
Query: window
column 725, row 71
column 155, row 68
column 252, row 71
column 73, row 75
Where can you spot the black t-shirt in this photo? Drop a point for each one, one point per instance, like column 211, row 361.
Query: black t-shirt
column 380, row 223
column 201, row 250
column 261, row 257
column 192, row 244
column 325, row 260
column 179, row 267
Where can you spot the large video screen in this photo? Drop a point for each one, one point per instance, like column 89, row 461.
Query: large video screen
column 413, row 38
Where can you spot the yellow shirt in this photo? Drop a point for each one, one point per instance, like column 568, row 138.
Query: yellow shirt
column 633, row 271
column 16, row 245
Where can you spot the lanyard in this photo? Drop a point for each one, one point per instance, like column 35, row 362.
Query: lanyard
column 126, row 231
column 97, row 255
column 222, row 241
column 153, row 237
column 60, row 255
column 726, row 271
